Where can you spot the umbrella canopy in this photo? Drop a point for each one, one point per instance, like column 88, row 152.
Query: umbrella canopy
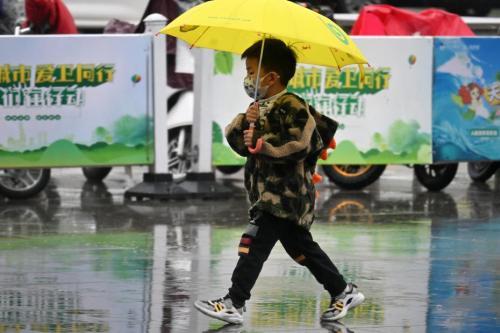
column 234, row 25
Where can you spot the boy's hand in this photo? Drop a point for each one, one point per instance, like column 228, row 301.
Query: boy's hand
column 248, row 137
column 252, row 113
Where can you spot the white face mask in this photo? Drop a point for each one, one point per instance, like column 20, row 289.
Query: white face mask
column 249, row 86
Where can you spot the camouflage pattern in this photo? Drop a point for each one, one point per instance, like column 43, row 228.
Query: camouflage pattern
column 278, row 179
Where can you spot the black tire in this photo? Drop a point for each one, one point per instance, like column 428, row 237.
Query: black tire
column 12, row 187
column 481, row 171
column 96, row 174
column 353, row 177
column 179, row 165
column 229, row 169
column 435, row 177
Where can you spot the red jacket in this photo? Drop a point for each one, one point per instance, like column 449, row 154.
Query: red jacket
column 379, row 20
column 52, row 14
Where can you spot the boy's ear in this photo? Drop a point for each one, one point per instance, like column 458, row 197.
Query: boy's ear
column 276, row 77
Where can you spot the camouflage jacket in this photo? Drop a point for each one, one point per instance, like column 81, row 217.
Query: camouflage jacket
column 278, row 179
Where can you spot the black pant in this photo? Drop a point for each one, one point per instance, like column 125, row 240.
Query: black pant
column 256, row 245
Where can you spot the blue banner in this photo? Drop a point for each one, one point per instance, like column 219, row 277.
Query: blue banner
column 466, row 99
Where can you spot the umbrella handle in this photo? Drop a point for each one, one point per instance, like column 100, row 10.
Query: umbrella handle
column 258, row 145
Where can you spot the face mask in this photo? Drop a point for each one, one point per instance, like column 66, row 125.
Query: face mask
column 249, row 86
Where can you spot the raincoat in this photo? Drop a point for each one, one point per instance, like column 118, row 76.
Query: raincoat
column 381, row 20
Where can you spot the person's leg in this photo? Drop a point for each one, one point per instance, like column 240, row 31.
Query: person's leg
column 255, row 246
column 301, row 247
column 299, row 244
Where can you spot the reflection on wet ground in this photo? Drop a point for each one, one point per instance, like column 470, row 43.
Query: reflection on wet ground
column 80, row 259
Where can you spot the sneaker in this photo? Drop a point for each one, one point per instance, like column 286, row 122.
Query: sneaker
column 222, row 309
column 350, row 298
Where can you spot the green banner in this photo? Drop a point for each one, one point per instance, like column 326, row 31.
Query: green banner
column 86, row 106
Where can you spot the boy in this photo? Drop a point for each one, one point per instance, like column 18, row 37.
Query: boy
column 282, row 146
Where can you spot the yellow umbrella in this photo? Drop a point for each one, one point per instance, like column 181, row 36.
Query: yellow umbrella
column 234, row 25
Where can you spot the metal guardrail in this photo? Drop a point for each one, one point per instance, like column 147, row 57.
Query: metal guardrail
column 483, row 26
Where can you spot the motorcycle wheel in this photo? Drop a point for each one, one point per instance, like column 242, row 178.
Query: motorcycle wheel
column 179, row 148
column 435, row 177
column 23, row 183
column 482, row 171
column 353, row 177
column 229, row 169
column 96, row 174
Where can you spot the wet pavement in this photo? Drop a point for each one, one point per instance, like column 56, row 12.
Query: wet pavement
column 78, row 258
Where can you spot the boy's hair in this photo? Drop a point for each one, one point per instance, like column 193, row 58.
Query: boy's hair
column 277, row 57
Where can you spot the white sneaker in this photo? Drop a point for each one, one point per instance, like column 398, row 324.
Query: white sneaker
column 339, row 305
column 222, row 309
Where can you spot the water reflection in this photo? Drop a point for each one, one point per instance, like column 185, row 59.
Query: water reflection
column 59, row 273
column 35, row 216
column 484, row 199
column 336, row 327
column 370, row 206
column 464, row 295
column 76, row 283
column 93, row 263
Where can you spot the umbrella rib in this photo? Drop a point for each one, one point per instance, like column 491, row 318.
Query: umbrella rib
column 335, row 58
column 199, row 37
column 260, row 65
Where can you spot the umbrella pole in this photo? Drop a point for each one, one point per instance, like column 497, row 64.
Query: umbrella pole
column 252, row 125
column 258, row 67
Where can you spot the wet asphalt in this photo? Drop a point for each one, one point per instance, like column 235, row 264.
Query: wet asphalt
column 80, row 258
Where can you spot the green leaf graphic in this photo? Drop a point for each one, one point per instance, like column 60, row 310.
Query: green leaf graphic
column 216, row 133
column 223, row 63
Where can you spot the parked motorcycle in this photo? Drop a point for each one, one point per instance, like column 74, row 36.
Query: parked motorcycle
column 42, row 17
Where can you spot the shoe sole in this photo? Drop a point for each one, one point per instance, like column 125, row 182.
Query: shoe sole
column 235, row 321
column 357, row 300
